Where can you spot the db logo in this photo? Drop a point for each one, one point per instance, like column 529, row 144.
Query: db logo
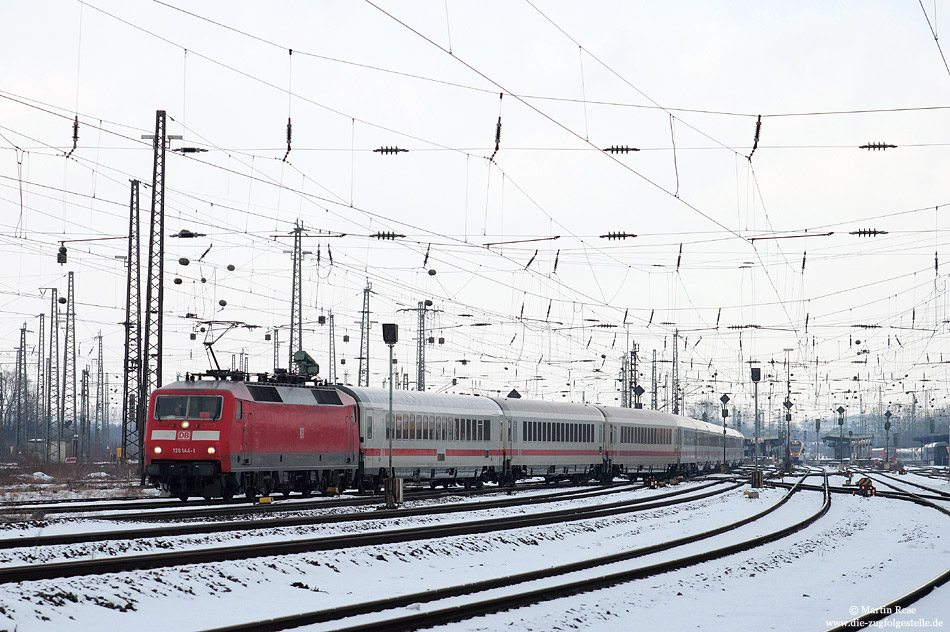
column 184, row 434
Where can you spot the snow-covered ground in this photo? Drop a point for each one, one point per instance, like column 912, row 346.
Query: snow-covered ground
column 863, row 553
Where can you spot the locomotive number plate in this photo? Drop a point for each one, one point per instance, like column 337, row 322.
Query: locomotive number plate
column 183, row 450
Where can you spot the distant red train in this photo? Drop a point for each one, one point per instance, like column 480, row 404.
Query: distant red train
column 795, row 448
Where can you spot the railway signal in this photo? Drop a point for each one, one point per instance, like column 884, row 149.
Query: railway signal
column 390, row 337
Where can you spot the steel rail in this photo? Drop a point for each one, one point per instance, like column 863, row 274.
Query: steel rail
column 115, row 564
column 507, row 602
column 287, row 521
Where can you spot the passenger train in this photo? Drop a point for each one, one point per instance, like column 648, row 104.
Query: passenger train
column 222, row 437
column 929, row 454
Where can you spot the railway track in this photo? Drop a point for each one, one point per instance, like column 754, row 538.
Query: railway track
column 901, row 603
column 903, row 481
column 926, row 501
column 293, row 521
column 507, row 600
column 248, row 551
column 211, row 508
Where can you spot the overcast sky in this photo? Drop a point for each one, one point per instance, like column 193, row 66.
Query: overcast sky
column 720, row 252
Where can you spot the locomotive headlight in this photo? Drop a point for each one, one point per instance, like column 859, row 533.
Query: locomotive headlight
column 158, row 449
column 211, row 450
column 185, row 425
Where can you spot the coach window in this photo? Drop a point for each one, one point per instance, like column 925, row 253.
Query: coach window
column 488, row 430
column 369, row 427
column 238, row 409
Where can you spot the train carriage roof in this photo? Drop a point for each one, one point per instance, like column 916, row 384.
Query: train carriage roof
column 549, row 410
column 645, row 417
column 425, row 402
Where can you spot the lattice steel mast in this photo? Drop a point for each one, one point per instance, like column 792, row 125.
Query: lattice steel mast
column 676, row 373
column 296, row 299
column 84, row 417
column 331, row 374
column 154, row 297
column 364, row 337
column 40, row 382
column 52, row 391
column 20, row 393
column 68, row 403
column 132, row 378
column 100, row 401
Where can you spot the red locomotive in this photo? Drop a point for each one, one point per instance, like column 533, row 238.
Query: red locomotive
column 217, row 438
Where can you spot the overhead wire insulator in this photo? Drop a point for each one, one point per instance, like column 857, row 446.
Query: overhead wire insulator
column 617, row 235
column 389, row 150
column 75, row 136
column 868, row 232
column 289, row 136
column 620, row 149
column 531, row 260
column 881, row 146
column 497, row 129
column 387, row 235
column 758, row 131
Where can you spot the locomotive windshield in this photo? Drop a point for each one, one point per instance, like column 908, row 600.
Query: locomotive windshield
column 188, row 407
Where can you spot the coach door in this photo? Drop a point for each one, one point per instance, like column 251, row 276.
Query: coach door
column 352, row 433
column 506, row 440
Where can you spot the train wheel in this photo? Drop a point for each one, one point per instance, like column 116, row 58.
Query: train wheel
column 228, row 494
column 250, row 493
column 468, row 484
column 183, row 497
column 432, row 483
